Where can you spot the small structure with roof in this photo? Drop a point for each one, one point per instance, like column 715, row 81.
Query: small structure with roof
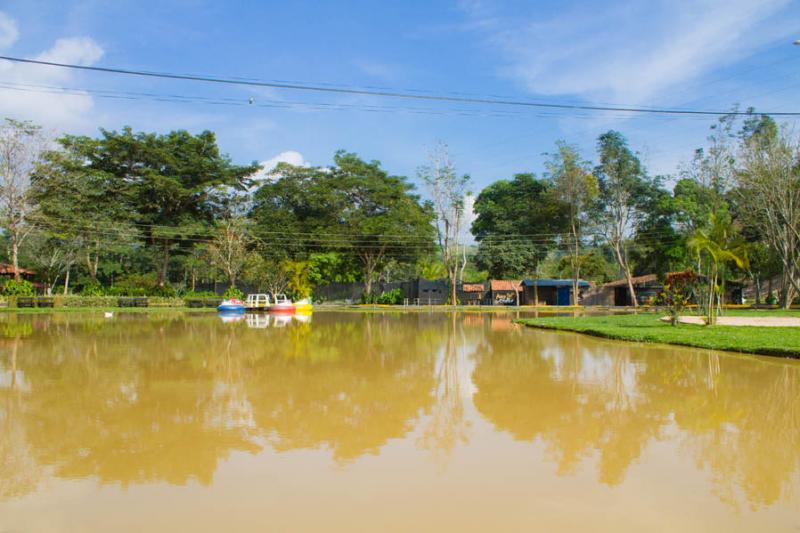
column 504, row 292
column 552, row 291
column 472, row 293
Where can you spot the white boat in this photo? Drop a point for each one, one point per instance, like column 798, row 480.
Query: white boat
column 257, row 301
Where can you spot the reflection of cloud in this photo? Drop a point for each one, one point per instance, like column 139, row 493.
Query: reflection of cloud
column 290, row 156
column 24, row 98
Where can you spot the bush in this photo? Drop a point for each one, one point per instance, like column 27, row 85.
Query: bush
column 233, row 292
column 393, row 297
column 677, row 293
column 93, row 288
column 18, row 288
column 188, row 295
column 772, row 300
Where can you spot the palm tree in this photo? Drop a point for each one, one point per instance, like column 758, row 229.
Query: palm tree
column 718, row 244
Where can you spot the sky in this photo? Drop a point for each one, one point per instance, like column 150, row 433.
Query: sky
column 700, row 54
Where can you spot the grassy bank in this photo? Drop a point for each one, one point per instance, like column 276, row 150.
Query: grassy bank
column 784, row 342
column 50, row 310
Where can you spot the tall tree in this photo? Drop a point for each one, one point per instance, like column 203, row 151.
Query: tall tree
column 354, row 208
column 575, row 187
column 769, row 189
column 87, row 207
column 180, row 182
column 447, row 191
column 228, row 250
column 621, row 177
column 516, row 225
column 22, row 145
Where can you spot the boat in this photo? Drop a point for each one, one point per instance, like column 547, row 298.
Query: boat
column 257, row 302
column 303, row 306
column 282, row 304
column 231, row 306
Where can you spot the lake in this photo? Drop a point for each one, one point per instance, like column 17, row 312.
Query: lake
column 385, row 422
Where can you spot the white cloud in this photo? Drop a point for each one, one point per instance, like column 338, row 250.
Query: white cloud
column 31, row 92
column 8, row 31
column 631, row 51
column 290, row 156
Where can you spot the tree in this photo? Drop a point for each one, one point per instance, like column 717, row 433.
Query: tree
column 179, row 183
column 383, row 219
column 508, row 214
column 228, row 250
column 266, row 273
column 769, row 189
column 80, row 204
column 621, row 179
column 719, row 245
column 447, row 191
column 576, row 188
column 354, row 208
column 22, row 145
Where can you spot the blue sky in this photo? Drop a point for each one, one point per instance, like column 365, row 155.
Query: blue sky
column 706, row 54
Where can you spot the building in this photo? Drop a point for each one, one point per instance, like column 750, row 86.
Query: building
column 647, row 288
column 551, row 291
column 472, row 293
column 504, row 292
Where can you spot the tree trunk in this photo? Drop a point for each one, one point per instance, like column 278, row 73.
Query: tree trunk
column 758, row 290
column 66, row 283
column 15, row 257
column 453, row 283
column 162, row 273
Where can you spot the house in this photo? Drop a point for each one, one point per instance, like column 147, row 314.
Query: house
column 551, row 291
column 503, row 292
column 647, row 287
column 8, row 270
column 472, row 293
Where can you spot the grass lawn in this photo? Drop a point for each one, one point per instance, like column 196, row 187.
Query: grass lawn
column 783, row 342
column 46, row 310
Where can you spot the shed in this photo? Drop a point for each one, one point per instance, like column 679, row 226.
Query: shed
column 472, row 293
column 551, row 291
column 504, row 292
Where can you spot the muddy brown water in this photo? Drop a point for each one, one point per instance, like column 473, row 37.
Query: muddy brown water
column 385, row 422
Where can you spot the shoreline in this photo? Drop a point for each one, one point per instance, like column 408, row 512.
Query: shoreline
column 781, row 342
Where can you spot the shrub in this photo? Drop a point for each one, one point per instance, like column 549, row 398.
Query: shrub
column 677, row 293
column 772, row 300
column 18, row 288
column 93, row 288
column 233, row 292
column 188, row 295
column 393, row 297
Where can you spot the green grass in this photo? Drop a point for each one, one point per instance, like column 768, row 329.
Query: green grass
column 46, row 310
column 783, row 342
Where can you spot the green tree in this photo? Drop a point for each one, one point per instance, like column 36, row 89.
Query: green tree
column 354, row 208
column 622, row 181
column 507, row 213
column 576, row 188
column 179, row 182
column 87, row 207
column 718, row 245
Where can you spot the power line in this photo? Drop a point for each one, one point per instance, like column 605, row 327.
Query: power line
column 384, row 93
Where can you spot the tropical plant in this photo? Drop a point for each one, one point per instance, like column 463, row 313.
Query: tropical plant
column 677, row 293
column 718, row 246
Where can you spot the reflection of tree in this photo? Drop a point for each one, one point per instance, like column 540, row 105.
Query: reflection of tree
column 447, row 426
column 741, row 417
column 359, row 381
column 130, row 401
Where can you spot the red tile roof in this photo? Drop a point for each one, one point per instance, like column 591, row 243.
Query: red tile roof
column 505, row 285
column 5, row 268
column 473, row 287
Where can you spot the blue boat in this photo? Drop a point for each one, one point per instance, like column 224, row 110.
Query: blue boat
column 231, row 307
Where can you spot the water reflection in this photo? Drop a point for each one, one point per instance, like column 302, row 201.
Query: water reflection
column 170, row 398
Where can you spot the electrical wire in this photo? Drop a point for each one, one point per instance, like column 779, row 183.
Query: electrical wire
column 383, row 93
